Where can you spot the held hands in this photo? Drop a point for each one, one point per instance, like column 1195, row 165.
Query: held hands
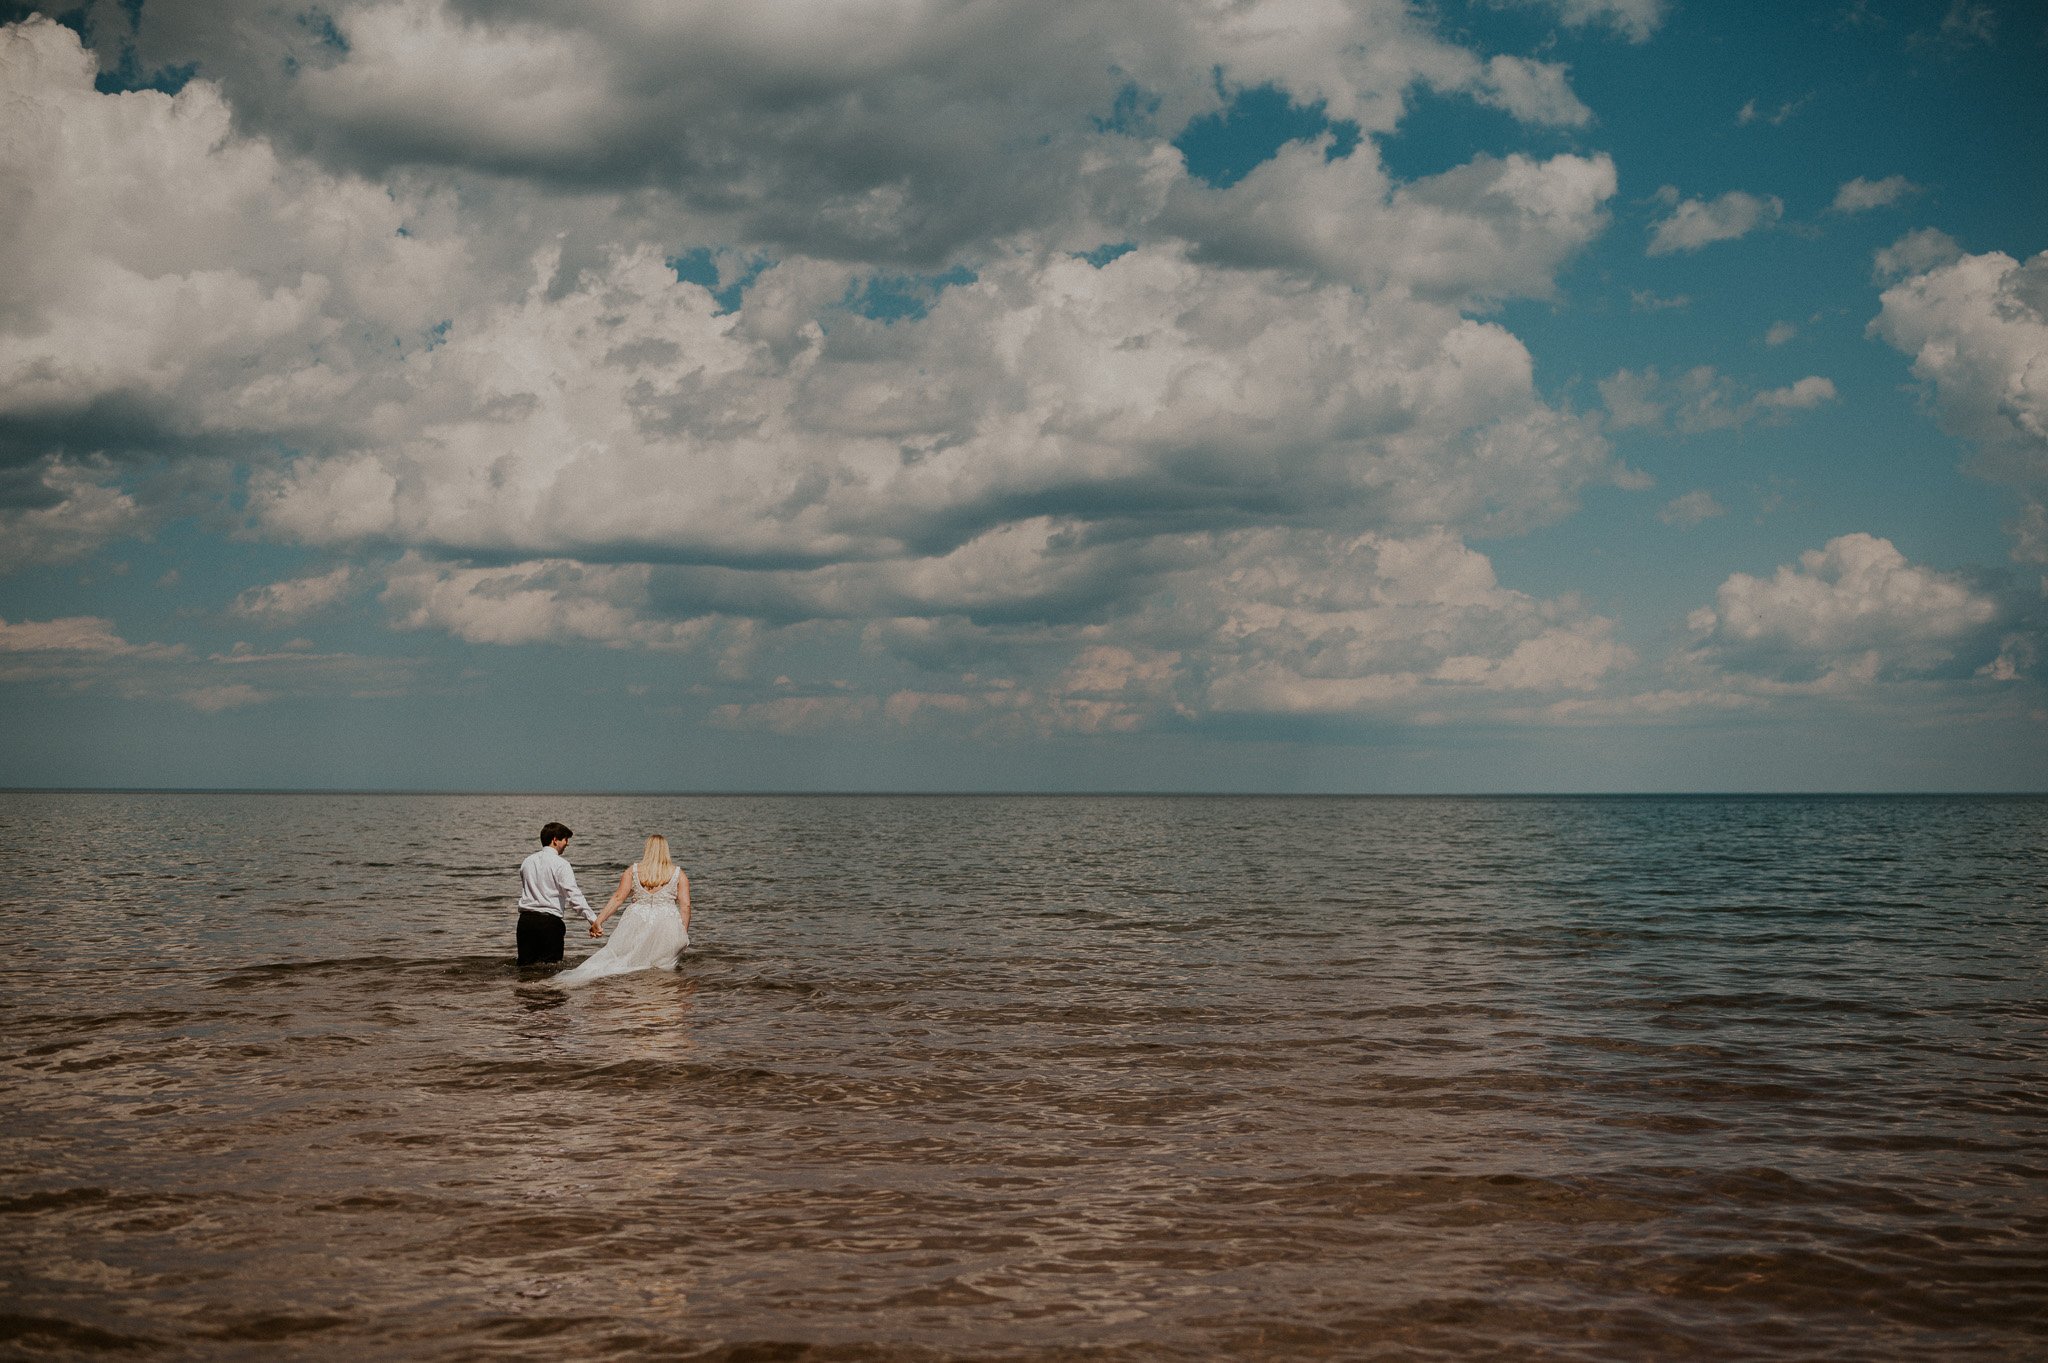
column 597, row 927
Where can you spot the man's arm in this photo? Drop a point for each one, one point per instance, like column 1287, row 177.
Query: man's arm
column 565, row 880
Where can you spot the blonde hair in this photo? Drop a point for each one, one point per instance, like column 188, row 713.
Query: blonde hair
column 655, row 868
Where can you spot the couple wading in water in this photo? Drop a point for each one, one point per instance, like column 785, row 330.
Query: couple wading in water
column 652, row 931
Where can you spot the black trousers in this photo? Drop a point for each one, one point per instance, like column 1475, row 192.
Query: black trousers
column 540, row 938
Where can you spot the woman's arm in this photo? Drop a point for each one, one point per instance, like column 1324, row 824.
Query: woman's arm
column 618, row 898
column 683, row 899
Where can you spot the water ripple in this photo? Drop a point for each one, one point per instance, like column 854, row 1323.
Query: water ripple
column 1117, row 1079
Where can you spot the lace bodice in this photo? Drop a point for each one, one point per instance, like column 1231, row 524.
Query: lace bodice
column 664, row 895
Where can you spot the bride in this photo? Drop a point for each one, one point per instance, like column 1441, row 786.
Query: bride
column 655, row 927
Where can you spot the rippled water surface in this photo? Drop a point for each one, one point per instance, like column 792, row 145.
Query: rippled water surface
column 1005, row 1078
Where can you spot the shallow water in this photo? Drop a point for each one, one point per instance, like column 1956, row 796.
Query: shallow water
column 1016, row 1078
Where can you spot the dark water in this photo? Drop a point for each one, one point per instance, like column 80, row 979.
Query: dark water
column 1030, row 1079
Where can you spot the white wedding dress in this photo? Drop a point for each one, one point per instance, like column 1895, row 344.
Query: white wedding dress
column 648, row 935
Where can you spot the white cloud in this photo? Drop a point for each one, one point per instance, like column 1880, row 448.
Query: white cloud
column 1694, row 223
column 1850, row 613
column 1222, row 470
column 87, row 653
column 1535, row 92
column 1749, row 113
column 1809, row 392
column 542, row 602
column 227, row 696
column 1702, row 399
column 1860, row 195
column 529, row 402
column 1489, row 230
column 171, row 285
column 1246, row 622
column 60, row 512
column 1691, row 509
column 1635, row 400
column 1635, row 20
column 1969, row 22
column 1376, row 623
column 1645, row 300
column 514, row 95
column 556, row 425
column 1667, row 703
column 87, row 635
column 292, row 600
column 82, row 652
column 790, row 715
column 1915, row 253
column 808, row 131
column 1780, row 333
column 1106, row 689
column 1977, row 329
column 2029, row 531
column 808, row 128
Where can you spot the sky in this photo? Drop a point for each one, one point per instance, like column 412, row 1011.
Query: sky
column 957, row 395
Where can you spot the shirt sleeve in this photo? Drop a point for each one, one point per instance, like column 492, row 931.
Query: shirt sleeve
column 565, row 879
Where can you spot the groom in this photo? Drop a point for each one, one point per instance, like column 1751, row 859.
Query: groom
column 547, row 887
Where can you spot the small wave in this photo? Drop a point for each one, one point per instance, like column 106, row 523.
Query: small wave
column 269, row 1329
column 41, row 1333
column 634, row 1076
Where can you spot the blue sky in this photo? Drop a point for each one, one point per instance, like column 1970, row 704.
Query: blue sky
column 1528, row 395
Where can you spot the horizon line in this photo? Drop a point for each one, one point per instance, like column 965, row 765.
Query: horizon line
column 988, row 793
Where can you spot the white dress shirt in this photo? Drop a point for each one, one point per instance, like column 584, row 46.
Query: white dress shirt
column 547, row 884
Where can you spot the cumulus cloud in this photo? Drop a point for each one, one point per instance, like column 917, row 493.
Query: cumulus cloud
column 1850, row 613
column 1535, row 92
column 1702, row 399
column 1635, row 20
column 541, row 602
column 1811, row 391
column 791, row 715
column 1492, row 229
column 1297, row 622
column 1641, row 706
column 298, row 669
column 226, row 696
column 1149, row 388
column 262, row 298
column 1915, row 253
column 1378, row 622
column 1694, row 223
column 84, row 635
column 1969, row 22
column 1860, row 195
column 2029, row 531
column 84, row 652
column 1976, row 327
column 1691, row 508
column 54, row 511
column 295, row 599
column 88, row 653
column 808, row 129
column 591, row 377
column 488, row 376
column 1270, row 621
column 1749, row 112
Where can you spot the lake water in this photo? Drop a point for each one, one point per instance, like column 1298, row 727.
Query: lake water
column 1032, row 1078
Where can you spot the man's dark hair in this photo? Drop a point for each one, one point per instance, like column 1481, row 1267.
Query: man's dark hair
column 550, row 832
